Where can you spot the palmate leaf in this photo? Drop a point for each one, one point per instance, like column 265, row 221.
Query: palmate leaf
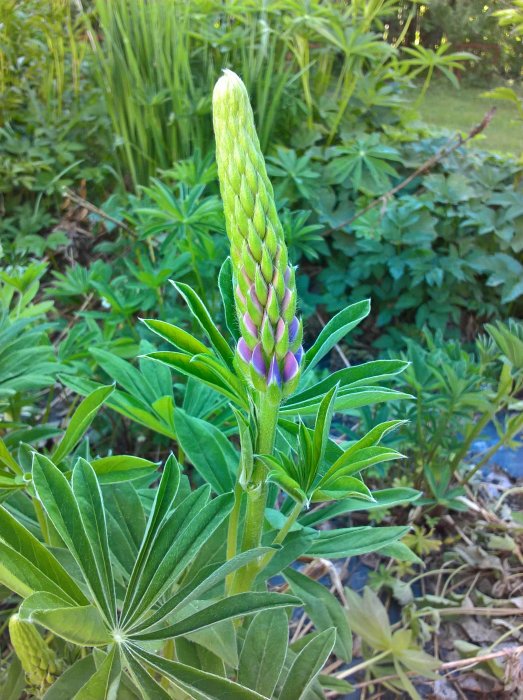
column 199, row 684
column 235, row 606
column 79, row 624
column 168, row 556
column 70, row 516
column 25, row 559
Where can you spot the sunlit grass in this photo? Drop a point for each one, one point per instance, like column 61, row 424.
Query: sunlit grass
column 444, row 106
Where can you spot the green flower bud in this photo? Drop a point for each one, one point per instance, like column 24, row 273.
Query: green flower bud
column 39, row 661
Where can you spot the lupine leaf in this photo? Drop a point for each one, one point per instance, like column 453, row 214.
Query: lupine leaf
column 365, row 374
column 176, row 336
column 229, row 608
column 80, row 421
column 197, row 369
column 88, row 496
column 347, row 542
column 307, row 664
column 386, row 498
column 347, row 400
column 205, row 579
column 205, row 685
column 210, row 452
column 172, row 551
column 225, row 282
column 263, row 652
column 27, row 546
column 104, row 683
column 336, row 329
column 116, row 468
column 204, row 319
column 80, row 624
column 324, row 610
column 61, row 506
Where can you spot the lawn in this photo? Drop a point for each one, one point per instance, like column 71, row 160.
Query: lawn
column 462, row 108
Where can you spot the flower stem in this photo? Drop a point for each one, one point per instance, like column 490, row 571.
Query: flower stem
column 280, row 537
column 257, row 492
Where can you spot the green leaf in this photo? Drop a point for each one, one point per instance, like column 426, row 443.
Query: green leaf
column 205, row 685
column 226, row 285
column 204, row 580
column 80, row 421
column 334, row 331
column 56, row 496
column 14, row 681
column 210, row 452
column 387, row 498
column 307, row 665
column 176, row 336
column 347, row 542
column 322, row 426
column 40, row 563
column 347, row 400
column 365, row 374
column 88, row 496
column 338, row 487
column 7, row 460
column 72, row 680
column 324, row 610
column 104, row 684
column 81, row 624
column 204, row 319
column 263, row 652
column 180, row 539
column 229, row 608
column 116, row 468
column 149, row 688
column 196, row 368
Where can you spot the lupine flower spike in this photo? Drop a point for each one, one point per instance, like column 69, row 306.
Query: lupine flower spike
column 269, row 351
column 39, row 661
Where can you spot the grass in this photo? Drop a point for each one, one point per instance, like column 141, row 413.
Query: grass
column 461, row 109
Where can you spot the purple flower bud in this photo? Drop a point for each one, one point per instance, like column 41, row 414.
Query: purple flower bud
column 254, row 298
column 280, row 330
column 291, row 367
column 244, row 351
column 258, row 361
column 286, row 300
column 240, row 296
column 293, row 329
column 287, row 275
column 250, row 325
column 274, row 376
column 299, row 354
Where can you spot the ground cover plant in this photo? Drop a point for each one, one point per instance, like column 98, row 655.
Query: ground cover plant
column 223, row 472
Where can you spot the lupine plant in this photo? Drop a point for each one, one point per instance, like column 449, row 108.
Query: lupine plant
column 162, row 591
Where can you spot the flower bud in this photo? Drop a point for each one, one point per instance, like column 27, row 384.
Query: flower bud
column 269, row 352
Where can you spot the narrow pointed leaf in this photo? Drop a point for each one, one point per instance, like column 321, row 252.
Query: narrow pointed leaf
column 80, row 421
